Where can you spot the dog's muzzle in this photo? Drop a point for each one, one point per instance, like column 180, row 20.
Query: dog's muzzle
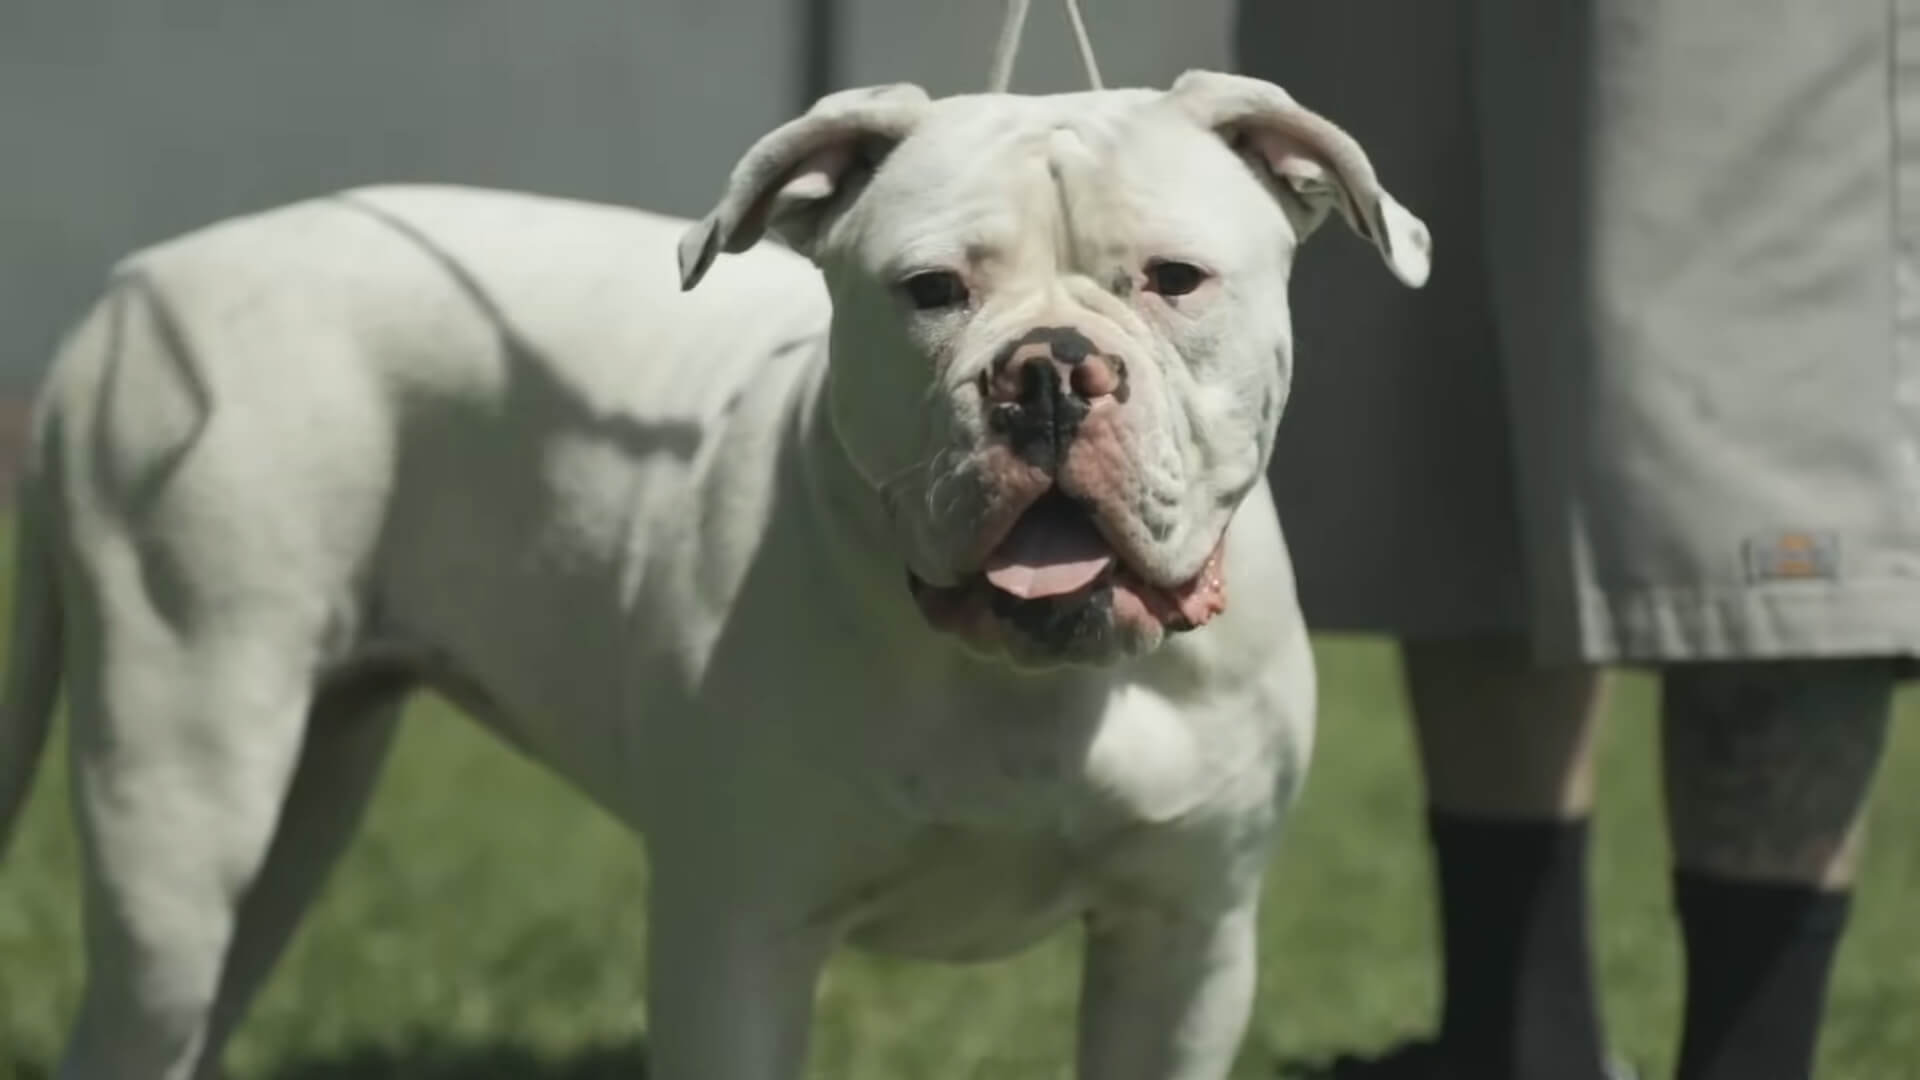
column 1054, row 576
column 1040, row 387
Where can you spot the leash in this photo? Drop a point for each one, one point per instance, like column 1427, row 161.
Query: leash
column 1013, row 26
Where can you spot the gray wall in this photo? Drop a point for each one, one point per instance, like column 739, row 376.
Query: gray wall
column 123, row 122
column 946, row 45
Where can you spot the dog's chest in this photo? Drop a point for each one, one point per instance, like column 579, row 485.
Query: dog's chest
column 960, row 895
column 1012, row 829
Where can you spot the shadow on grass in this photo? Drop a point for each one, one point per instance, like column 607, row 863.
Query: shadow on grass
column 430, row 1059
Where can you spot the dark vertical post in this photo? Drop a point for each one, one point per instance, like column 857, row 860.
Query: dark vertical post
column 819, row 38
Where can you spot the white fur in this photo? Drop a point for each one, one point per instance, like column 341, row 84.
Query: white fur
column 297, row 463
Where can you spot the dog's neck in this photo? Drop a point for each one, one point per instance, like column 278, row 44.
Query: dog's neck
column 846, row 513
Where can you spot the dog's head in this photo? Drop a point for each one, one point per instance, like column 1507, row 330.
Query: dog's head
column 1061, row 340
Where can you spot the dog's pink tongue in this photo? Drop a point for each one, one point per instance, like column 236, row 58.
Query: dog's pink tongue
column 1053, row 549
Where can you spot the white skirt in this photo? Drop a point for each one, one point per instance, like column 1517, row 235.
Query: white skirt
column 1661, row 399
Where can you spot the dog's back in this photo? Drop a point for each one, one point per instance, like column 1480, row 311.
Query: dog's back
column 441, row 291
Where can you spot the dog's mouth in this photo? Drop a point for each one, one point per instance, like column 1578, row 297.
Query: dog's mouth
column 1057, row 578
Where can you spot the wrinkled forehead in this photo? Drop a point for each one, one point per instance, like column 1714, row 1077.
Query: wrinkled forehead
column 1115, row 171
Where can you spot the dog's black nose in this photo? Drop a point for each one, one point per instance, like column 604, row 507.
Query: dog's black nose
column 1042, row 384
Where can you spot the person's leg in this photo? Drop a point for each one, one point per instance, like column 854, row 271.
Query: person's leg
column 1677, row 505
column 1506, row 750
column 1499, row 736
column 1768, row 766
column 1505, row 746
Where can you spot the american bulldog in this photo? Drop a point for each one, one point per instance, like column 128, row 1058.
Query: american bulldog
column 913, row 585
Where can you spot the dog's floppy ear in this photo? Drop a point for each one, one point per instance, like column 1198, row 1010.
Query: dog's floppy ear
column 1312, row 157
column 791, row 176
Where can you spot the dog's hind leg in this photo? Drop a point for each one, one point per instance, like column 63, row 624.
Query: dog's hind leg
column 348, row 735
column 184, row 746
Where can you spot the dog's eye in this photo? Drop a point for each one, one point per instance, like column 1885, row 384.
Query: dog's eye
column 1174, row 278
column 932, row 290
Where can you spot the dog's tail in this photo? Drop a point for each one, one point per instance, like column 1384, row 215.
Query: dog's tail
column 34, row 646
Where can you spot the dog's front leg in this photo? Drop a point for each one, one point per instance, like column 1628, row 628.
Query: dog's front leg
column 730, row 989
column 1165, row 995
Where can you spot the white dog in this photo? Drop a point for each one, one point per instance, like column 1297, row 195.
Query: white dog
column 893, row 611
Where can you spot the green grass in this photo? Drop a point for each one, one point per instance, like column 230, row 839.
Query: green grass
column 489, row 923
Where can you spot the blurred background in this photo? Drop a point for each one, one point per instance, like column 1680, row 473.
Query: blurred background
column 124, row 122
column 489, row 923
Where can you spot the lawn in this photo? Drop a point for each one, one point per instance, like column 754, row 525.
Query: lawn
column 489, row 923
